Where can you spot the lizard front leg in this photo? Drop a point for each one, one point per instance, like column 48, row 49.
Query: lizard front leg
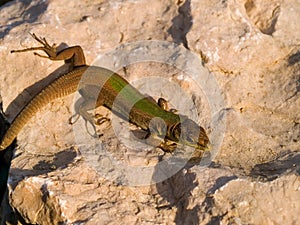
column 88, row 102
column 82, row 106
column 163, row 103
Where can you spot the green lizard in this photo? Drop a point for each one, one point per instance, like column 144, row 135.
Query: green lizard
column 113, row 92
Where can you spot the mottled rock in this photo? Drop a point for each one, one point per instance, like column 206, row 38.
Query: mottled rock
column 251, row 49
column 244, row 43
column 257, row 203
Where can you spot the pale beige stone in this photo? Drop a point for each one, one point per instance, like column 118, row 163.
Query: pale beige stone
column 251, row 48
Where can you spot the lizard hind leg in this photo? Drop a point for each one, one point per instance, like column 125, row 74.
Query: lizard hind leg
column 73, row 54
column 51, row 51
column 82, row 106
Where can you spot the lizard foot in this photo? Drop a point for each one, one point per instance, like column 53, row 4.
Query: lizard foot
column 163, row 103
column 100, row 119
column 168, row 146
column 51, row 51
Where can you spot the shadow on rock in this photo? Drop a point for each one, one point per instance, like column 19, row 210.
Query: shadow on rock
column 31, row 14
column 59, row 161
column 5, row 162
column 293, row 59
column 181, row 24
column 176, row 190
column 288, row 162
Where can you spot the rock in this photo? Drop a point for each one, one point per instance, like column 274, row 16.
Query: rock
column 249, row 64
column 256, row 202
column 251, row 49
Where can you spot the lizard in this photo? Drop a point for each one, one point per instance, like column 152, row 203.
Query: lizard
column 171, row 127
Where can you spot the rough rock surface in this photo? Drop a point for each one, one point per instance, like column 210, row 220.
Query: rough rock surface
column 251, row 48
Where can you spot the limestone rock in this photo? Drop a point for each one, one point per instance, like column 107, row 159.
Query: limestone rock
column 251, row 49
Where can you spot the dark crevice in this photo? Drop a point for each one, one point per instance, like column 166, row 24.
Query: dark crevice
column 2, row 2
column 5, row 162
column 216, row 220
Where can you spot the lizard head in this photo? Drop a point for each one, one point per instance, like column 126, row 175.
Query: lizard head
column 190, row 133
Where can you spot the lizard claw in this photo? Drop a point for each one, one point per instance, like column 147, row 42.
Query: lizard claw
column 76, row 116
